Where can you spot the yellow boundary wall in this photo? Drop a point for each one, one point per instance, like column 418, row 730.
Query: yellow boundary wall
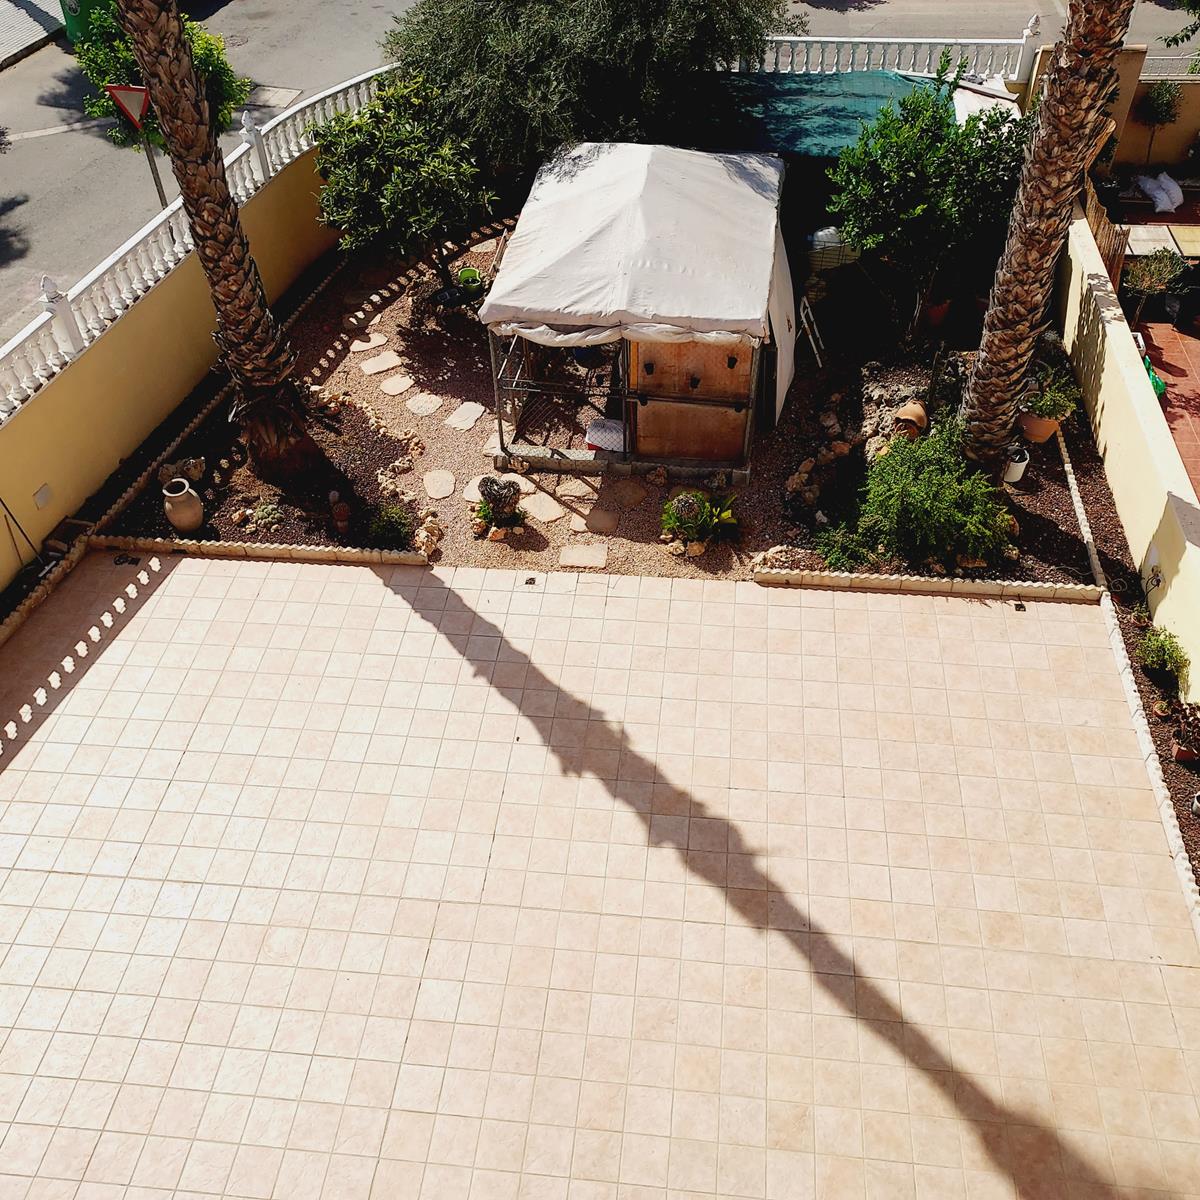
column 96, row 412
column 1154, row 496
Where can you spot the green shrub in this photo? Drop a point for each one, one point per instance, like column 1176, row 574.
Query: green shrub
column 695, row 516
column 1056, row 395
column 391, row 175
column 392, row 527
column 923, row 500
column 105, row 55
column 1159, row 650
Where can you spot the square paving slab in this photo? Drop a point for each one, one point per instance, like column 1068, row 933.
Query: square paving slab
column 349, row 882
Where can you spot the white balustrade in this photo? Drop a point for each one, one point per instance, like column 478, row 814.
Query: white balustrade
column 72, row 322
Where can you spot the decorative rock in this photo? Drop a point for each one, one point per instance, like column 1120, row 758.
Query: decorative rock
column 496, row 534
column 543, row 507
column 386, row 361
column 471, row 491
column 839, row 449
column 371, row 342
column 627, row 493
column 678, row 549
column 695, row 549
column 465, row 415
column 658, row 477
column 438, row 484
column 583, row 556
column 423, row 404
column 795, row 483
column 500, row 495
column 396, row 385
column 191, row 469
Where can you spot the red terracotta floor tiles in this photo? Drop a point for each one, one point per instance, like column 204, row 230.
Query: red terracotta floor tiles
column 1176, row 357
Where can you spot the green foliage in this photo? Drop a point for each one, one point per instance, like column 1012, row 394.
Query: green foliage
column 1056, row 394
column 392, row 176
column 1189, row 31
column 695, row 516
column 1160, row 103
column 1160, row 650
column 106, row 56
column 918, row 189
column 518, row 79
column 1152, row 274
column 392, row 527
column 921, row 501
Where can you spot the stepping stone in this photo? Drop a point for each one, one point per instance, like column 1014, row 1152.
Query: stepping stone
column 423, row 404
column 356, row 321
column 396, row 385
column 543, row 507
column 381, row 362
column 599, row 520
column 471, row 491
column 371, row 342
column 438, row 484
column 576, row 485
column 583, row 556
column 465, row 415
column 627, row 493
column 488, row 247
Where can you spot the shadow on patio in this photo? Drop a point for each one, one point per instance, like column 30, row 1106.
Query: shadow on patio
column 1037, row 1158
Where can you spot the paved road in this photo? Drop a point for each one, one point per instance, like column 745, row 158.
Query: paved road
column 68, row 198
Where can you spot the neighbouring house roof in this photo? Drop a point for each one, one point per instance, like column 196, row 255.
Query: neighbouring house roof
column 650, row 243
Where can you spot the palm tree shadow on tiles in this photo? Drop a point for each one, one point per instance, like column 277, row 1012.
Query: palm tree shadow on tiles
column 1033, row 1155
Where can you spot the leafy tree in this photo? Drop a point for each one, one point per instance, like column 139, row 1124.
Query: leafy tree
column 1189, row 31
column 1158, row 107
column 391, row 176
column 1151, row 275
column 518, row 79
column 917, row 187
column 106, row 56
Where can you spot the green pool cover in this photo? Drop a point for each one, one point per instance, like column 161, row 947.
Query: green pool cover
column 813, row 116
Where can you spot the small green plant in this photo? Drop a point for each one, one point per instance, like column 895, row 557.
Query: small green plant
column 844, row 548
column 392, row 527
column 695, row 516
column 923, row 501
column 1151, row 275
column 1160, row 651
column 1056, row 395
column 1140, row 615
column 266, row 513
column 1159, row 107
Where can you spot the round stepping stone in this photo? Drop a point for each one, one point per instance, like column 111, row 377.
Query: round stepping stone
column 386, row 361
column 371, row 342
column 438, row 484
column 601, row 520
column 396, row 385
column 543, row 507
column 423, row 404
column 627, row 493
column 465, row 415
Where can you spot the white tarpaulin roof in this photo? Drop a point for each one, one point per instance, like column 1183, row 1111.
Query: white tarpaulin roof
column 650, row 243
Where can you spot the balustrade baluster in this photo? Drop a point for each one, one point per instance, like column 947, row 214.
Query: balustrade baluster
column 12, row 390
column 89, row 315
column 52, row 352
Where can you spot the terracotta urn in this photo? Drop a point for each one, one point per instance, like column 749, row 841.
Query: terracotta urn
column 183, row 507
column 1037, row 429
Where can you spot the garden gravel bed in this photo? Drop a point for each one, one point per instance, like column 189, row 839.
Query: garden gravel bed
column 1125, row 586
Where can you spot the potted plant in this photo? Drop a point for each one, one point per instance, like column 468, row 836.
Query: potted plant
column 1162, row 657
column 1151, row 275
column 1159, row 107
column 1140, row 615
column 1185, row 739
column 1048, row 403
column 1162, row 709
column 1018, row 460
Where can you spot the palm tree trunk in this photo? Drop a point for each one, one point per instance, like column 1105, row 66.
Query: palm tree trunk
column 1069, row 116
column 251, row 342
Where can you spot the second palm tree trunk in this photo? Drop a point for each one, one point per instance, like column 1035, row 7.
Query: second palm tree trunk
column 1082, row 74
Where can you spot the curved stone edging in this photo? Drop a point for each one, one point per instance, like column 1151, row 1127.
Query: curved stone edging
column 987, row 589
column 1137, row 713
column 271, row 550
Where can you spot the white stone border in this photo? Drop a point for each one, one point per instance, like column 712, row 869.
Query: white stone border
column 1137, row 713
column 273, row 550
column 932, row 585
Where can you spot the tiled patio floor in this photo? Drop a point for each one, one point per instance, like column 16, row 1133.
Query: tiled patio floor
column 1176, row 357
column 324, row 881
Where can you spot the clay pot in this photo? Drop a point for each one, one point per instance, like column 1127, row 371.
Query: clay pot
column 913, row 412
column 1183, row 754
column 1037, row 429
column 183, row 507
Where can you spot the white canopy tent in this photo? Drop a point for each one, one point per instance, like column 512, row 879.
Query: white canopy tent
column 650, row 244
